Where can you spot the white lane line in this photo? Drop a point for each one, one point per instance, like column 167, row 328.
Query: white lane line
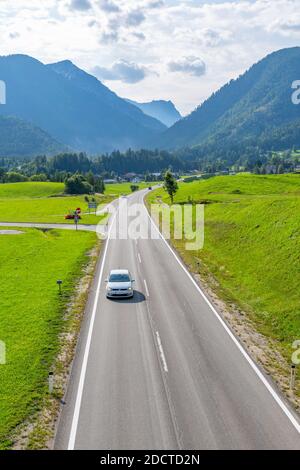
column 162, row 354
column 75, row 420
column 261, row 376
column 139, row 257
column 146, row 287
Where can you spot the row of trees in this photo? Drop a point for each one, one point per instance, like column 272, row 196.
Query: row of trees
column 57, row 168
column 147, row 163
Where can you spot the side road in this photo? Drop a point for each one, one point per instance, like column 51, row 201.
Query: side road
column 89, row 228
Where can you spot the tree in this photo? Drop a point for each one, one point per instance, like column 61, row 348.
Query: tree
column 99, row 186
column 280, row 169
column 90, row 178
column 170, row 185
column 77, row 185
column 13, row 177
column 2, row 175
column 39, row 177
column 134, row 188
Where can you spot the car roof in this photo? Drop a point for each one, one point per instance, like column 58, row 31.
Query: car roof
column 119, row 271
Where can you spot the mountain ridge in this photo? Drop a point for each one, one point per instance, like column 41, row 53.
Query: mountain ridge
column 21, row 139
column 164, row 111
column 244, row 110
column 74, row 107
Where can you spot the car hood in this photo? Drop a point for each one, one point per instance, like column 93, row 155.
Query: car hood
column 119, row 285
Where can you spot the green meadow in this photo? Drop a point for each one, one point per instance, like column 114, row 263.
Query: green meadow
column 31, row 310
column 46, row 203
column 43, row 203
column 30, row 190
column 252, row 246
column 118, row 189
column 31, row 314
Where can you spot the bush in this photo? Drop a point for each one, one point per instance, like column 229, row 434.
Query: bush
column 13, row 177
column 77, row 185
column 41, row 177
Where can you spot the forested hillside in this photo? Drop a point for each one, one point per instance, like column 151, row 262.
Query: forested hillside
column 254, row 110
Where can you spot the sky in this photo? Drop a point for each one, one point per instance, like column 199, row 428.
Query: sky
column 179, row 50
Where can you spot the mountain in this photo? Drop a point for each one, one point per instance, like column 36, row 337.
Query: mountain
column 255, row 109
column 73, row 106
column 91, row 84
column 21, row 139
column 164, row 111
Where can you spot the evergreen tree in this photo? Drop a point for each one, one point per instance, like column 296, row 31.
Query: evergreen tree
column 170, row 185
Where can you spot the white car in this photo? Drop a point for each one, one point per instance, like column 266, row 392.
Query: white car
column 119, row 284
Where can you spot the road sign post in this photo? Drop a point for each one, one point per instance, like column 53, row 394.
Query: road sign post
column 76, row 217
column 293, row 377
column 93, row 205
column 59, row 283
column 51, row 382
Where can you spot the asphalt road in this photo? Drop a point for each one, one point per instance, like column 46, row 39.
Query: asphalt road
column 162, row 371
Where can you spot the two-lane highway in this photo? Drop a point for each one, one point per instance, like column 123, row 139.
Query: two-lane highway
column 163, row 371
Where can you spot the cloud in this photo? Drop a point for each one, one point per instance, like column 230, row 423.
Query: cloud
column 109, row 37
column 14, row 35
column 54, row 12
column 155, row 4
column 81, row 5
column 140, row 36
column 122, row 70
column 135, row 18
column 191, row 65
column 92, row 23
column 289, row 26
column 228, row 36
column 212, row 38
column 109, row 6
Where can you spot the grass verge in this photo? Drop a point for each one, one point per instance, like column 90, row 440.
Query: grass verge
column 32, row 315
column 250, row 257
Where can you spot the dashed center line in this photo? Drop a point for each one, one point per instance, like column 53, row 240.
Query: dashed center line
column 162, row 354
column 139, row 257
column 146, row 287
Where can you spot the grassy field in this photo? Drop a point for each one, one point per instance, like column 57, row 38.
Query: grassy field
column 30, row 190
column 124, row 188
column 46, row 210
column 43, row 203
column 252, row 246
column 31, row 313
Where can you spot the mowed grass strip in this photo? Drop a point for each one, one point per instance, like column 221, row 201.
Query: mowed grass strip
column 31, row 313
column 252, row 246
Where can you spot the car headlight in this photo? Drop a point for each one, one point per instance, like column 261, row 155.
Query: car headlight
column 129, row 288
column 109, row 289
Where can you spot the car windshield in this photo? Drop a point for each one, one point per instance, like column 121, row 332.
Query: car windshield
column 119, row 278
